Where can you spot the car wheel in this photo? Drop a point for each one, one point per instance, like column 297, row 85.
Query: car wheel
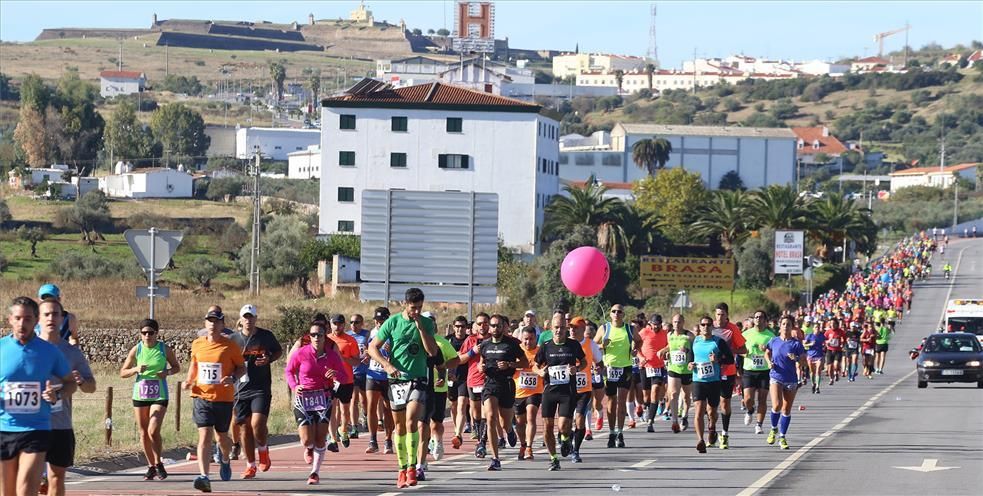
column 922, row 384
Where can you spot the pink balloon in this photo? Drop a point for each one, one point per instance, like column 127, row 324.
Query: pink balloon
column 585, row 271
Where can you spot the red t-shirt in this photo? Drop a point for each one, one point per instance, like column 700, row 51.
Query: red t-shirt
column 834, row 339
column 652, row 342
column 732, row 335
column 476, row 377
column 347, row 348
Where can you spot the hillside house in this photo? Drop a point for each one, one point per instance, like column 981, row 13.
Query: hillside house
column 938, row 177
column 148, row 183
column 114, row 83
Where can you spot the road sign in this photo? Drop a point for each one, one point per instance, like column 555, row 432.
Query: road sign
column 789, row 247
column 682, row 300
column 807, row 274
column 928, row 465
column 143, row 292
column 686, row 272
column 164, row 245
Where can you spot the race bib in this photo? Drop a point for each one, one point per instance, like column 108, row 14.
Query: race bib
column 651, row 372
column 209, row 373
column 635, row 362
column 852, row 343
column 313, row 401
column 528, row 380
column 614, row 373
column 559, row 374
column 757, row 361
column 376, row 366
column 834, row 343
column 869, row 351
column 478, row 389
column 678, row 357
column 399, row 393
column 596, row 378
column 22, row 397
column 703, row 370
column 149, row 390
column 581, row 380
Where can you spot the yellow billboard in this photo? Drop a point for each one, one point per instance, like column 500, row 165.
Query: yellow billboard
column 686, row 273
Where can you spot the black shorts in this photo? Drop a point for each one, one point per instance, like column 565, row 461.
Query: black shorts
column 13, row 444
column 755, row 379
column 851, row 351
column 311, row 417
column 344, row 393
column 559, row 402
column 611, row 387
column 636, row 379
column 648, row 382
column 597, row 385
column 833, row 356
column 686, row 378
column 148, row 404
column 881, row 348
column 418, row 391
column 216, row 414
column 584, row 402
column 360, row 381
column 503, row 391
column 707, row 391
column 727, row 387
column 521, row 403
column 475, row 395
column 246, row 407
column 379, row 385
column 436, row 406
column 457, row 390
column 62, row 450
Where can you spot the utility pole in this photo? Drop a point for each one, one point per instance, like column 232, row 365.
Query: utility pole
column 119, row 63
column 165, row 60
column 254, row 251
column 955, row 203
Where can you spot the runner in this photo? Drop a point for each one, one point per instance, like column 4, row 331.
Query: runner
column 347, row 346
column 528, row 393
column 814, row 344
column 616, row 340
column 884, row 334
column 585, row 389
column 476, row 382
column 457, row 392
column 654, row 338
column 868, row 343
column 597, row 387
column 62, row 452
column 254, row 392
column 529, row 319
column 310, row 375
column 151, row 361
column 835, row 338
column 377, row 393
column 787, row 358
column 216, row 364
column 731, row 334
column 29, row 372
column 436, row 411
column 709, row 352
column 359, row 404
column 852, row 351
column 755, row 378
column 500, row 356
column 679, row 352
column 69, row 329
column 412, row 341
column 558, row 362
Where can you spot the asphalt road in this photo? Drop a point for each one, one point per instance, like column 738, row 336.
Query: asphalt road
column 851, row 439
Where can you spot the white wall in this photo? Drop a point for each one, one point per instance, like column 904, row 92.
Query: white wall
column 158, row 184
column 274, row 143
column 305, row 164
column 505, row 150
column 113, row 87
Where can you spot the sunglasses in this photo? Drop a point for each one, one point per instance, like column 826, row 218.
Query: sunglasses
column 316, row 335
column 459, row 325
column 148, row 333
column 496, row 325
column 704, row 324
column 355, row 322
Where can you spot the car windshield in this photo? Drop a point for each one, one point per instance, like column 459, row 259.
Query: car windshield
column 966, row 324
column 963, row 344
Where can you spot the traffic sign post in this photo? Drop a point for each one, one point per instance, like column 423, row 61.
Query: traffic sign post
column 682, row 301
column 153, row 249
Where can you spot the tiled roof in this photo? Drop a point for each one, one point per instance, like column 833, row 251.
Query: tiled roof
column 827, row 144
column 430, row 93
column 121, row 74
column 975, row 56
column 916, row 171
column 606, row 184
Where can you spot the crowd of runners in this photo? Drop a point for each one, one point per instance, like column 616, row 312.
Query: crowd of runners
column 397, row 377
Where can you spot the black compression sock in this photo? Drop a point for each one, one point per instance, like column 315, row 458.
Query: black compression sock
column 578, row 438
column 725, row 420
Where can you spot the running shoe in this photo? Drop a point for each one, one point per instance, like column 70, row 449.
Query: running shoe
column 313, row 479
column 639, row 410
column 438, row 451
column 701, row 447
column 401, row 479
column 831, row 382
column 522, row 453
column 588, row 436
column 345, row 439
column 771, row 436
column 236, row 451
column 264, row 460
column 353, row 433
column 723, row 441
column 467, row 427
column 333, row 447
column 388, row 449
column 474, row 435
column 813, row 388
column 712, row 437
column 501, row 443
column 612, row 439
column 43, row 488
column 249, row 473
column 675, row 427
column 575, row 457
column 411, row 476
column 783, row 443
column 650, row 428
column 456, row 442
column 554, row 464
column 529, row 455
column 659, row 409
column 161, row 472
column 747, row 418
column 817, row 390
column 421, row 474
column 203, row 484
column 512, row 437
column 685, row 423
column 480, row 451
column 309, row 456
column 667, row 415
column 598, row 423
column 495, row 465
column 757, row 429
column 565, row 447
column 216, row 454
column 631, row 423
column 621, row 440
column 373, row 447
column 150, row 475
column 225, row 471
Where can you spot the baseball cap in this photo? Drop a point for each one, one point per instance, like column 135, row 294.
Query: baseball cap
column 428, row 314
column 49, row 290
column 337, row 319
column 529, row 312
column 655, row 319
column 248, row 309
column 381, row 313
column 578, row 321
column 214, row 314
column 809, row 318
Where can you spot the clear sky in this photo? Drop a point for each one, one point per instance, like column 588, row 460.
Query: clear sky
column 796, row 30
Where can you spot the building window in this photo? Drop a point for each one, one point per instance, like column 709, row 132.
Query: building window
column 346, row 159
column 397, row 159
column 346, row 195
column 400, row 124
column 346, row 226
column 347, row 121
column 455, row 125
column 453, row 161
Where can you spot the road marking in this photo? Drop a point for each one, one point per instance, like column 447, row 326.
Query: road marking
column 390, row 494
column 928, row 465
column 465, row 473
column 643, row 464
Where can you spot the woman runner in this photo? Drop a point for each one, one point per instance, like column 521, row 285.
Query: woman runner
column 787, row 358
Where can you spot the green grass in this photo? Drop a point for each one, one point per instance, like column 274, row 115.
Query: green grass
column 24, row 267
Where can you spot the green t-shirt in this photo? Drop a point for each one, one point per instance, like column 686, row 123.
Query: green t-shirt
column 883, row 335
column 447, row 352
column 618, row 351
column 407, row 353
column 544, row 337
column 680, row 354
column 757, row 340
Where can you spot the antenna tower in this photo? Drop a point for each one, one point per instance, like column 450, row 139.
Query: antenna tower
column 653, row 51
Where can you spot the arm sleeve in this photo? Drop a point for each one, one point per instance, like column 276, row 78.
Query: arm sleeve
column 290, row 372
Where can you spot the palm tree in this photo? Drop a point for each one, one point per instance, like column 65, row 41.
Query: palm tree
column 278, row 74
column 643, row 230
column 777, row 207
column 835, row 219
column 587, row 206
column 651, row 154
column 649, row 70
column 619, row 77
column 725, row 217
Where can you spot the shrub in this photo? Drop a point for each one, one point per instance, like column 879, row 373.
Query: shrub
column 200, row 271
column 3, row 262
column 233, row 239
column 293, row 321
column 82, row 266
column 146, row 220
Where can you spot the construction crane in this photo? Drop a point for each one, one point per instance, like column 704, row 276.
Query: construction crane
column 879, row 38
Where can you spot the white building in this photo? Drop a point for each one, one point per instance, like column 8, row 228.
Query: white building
column 438, row 137
column 113, row 83
column 937, row 177
column 411, row 70
column 820, row 68
column 572, row 64
column 34, row 176
column 148, row 183
column 274, row 142
column 305, row 164
column 760, row 156
column 661, row 80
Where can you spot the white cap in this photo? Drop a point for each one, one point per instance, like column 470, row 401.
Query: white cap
column 530, row 312
column 808, row 318
column 428, row 315
column 250, row 309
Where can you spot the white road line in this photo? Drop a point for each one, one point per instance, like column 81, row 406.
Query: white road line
column 465, row 473
column 643, row 463
column 390, row 494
